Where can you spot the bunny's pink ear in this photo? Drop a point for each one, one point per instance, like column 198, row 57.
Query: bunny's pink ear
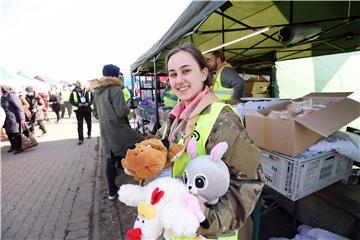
column 191, row 148
column 218, row 151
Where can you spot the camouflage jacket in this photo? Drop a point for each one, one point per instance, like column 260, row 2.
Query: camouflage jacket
column 243, row 159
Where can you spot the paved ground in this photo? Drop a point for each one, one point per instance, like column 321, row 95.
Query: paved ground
column 57, row 190
column 47, row 191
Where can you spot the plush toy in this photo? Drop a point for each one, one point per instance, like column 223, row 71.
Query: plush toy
column 207, row 176
column 149, row 157
column 164, row 207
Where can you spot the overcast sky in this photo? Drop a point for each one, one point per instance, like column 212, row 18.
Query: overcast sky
column 73, row 39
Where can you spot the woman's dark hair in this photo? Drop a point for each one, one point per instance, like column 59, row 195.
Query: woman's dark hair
column 199, row 58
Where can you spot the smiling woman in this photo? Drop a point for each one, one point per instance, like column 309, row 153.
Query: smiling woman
column 202, row 115
column 189, row 79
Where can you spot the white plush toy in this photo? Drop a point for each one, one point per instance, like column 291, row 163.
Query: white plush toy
column 207, row 176
column 168, row 206
column 164, row 207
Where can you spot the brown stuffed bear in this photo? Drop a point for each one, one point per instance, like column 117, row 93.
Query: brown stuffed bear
column 149, row 158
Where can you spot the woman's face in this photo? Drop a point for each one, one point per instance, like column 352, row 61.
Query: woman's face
column 185, row 76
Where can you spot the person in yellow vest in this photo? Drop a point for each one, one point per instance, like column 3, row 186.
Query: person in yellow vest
column 169, row 97
column 201, row 115
column 228, row 85
column 81, row 101
column 127, row 96
column 64, row 101
column 125, row 90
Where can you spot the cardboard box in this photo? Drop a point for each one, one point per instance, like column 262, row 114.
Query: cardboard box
column 291, row 137
column 261, row 95
column 255, row 87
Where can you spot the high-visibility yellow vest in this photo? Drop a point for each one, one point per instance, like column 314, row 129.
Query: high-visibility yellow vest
column 126, row 93
column 65, row 95
column 201, row 133
column 74, row 108
column 222, row 92
column 170, row 99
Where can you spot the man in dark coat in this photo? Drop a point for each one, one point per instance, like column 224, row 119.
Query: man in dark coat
column 15, row 117
column 111, row 110
column 81, row 100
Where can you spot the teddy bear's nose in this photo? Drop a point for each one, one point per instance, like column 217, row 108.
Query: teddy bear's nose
column 132, row 146
column 189, row 187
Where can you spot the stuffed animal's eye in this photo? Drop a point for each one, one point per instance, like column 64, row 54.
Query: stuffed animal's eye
column 148, row 146
column 200, row 181
column 185, row 179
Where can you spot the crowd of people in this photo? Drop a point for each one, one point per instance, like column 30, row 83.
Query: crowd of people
column 199, row 107
column 22, row 111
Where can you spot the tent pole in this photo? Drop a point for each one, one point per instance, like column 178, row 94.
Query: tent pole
column 222, row 32
column 132, row 83
column 291, row 12
column 273, row 77
column 157, row 123
column 140, row 85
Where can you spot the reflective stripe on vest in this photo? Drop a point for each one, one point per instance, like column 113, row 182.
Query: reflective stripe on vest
column 201, row 132
column 222, row 92
column 126, row 93
column 74, row 108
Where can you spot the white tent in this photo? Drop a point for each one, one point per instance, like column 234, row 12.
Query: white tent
column 20, row 81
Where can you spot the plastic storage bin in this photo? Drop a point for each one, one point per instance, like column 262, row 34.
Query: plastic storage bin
column 297, row 177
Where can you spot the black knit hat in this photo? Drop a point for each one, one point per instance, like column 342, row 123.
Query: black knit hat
column 29, row 89
column 111, row 70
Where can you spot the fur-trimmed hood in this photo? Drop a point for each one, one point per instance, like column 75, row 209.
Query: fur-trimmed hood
column 106, row 82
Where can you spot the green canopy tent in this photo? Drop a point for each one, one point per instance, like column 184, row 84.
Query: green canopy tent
column 288, row 30
column 327, row 27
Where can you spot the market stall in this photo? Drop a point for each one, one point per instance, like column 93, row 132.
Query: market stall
column 256, row 37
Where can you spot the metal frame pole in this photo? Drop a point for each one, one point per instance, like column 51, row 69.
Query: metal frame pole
column 157, row 124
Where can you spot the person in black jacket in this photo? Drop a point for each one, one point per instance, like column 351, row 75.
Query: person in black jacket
column 54, row 100
column 15, row 118
column 81, row 100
